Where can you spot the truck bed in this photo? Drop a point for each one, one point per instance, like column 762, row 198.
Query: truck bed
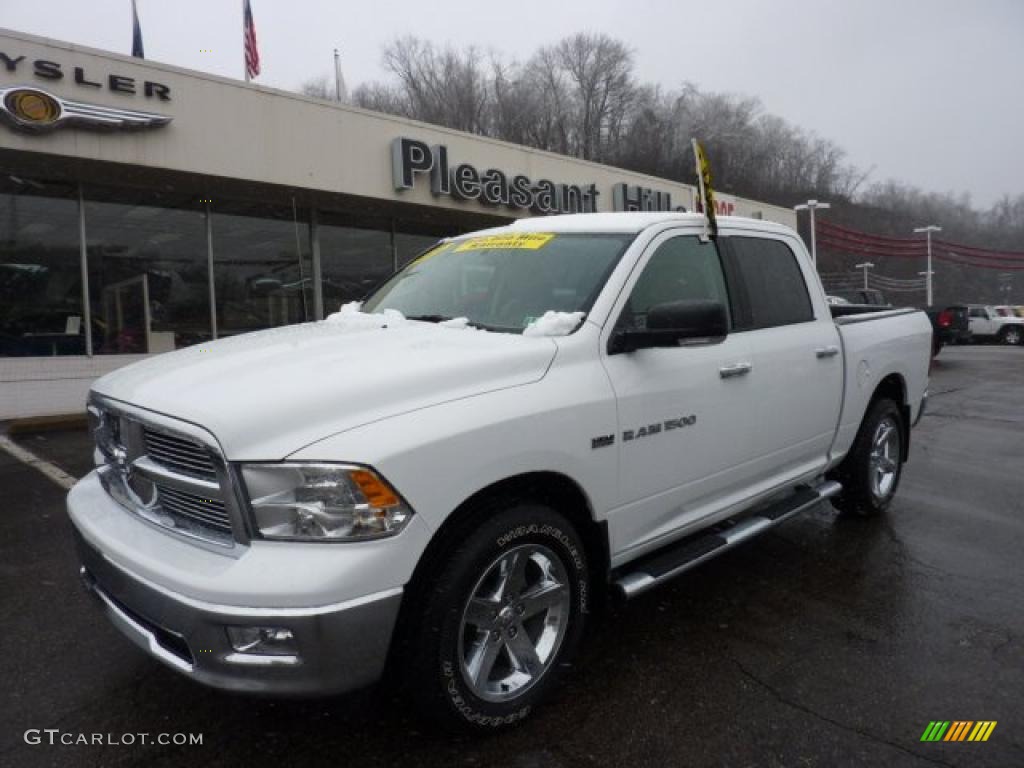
column 878, row 339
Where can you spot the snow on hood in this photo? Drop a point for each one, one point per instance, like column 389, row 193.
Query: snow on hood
column 553, row 323
column 350, row 317
column 265, row 395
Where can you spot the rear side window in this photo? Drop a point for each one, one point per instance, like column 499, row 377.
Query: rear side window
column 769, row 285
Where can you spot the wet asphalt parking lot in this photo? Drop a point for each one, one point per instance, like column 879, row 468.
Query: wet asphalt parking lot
column 828, row 642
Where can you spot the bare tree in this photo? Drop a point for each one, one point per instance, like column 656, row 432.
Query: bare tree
column 599, row 71
column 444, row 87
column 580, row 97
column 553, row 115
column 381, row 97
column 319, row 87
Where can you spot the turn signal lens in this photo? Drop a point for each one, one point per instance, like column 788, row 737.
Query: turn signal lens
column 375, row 491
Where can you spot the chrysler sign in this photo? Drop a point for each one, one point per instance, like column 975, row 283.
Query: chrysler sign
column 411, row 159
column 37, row 111
column 34, row 110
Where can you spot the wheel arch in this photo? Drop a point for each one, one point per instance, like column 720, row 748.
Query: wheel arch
column 894, row 387
column 556, row 489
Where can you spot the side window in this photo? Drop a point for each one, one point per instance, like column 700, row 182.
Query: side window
column 681, row 268
column 978, row 313
column 767, row 274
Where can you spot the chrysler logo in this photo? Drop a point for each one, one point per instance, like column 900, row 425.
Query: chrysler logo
column 36, row 111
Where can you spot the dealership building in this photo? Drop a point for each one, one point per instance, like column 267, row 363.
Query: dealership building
column 144, row 208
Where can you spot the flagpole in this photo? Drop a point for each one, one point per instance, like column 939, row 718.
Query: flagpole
column 700, row 176
column 337, row 76
column 245, row 65
column 700, row 186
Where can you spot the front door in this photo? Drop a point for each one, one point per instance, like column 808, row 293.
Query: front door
column 979, row 322
column 682, row 410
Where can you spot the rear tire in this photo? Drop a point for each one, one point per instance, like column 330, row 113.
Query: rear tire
column 1011, row 335
column 501, row 619
column 870, row 473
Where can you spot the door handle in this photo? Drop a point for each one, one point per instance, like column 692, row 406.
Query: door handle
column 736, row 369
column 829, row 351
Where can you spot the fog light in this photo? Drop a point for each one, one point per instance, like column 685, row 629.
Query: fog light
column 267, row 641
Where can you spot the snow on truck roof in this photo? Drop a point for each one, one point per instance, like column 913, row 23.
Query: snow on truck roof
column 629, row 223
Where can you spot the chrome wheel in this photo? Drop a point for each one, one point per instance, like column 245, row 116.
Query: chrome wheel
column 884, row 463
column 514, row 622
column 1012, row 336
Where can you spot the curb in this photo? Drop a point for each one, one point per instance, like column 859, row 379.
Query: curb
column 46, row 424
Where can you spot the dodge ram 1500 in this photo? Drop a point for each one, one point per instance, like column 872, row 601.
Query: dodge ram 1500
column 450, row 476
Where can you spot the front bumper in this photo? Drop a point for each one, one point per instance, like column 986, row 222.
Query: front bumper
column 175, row 599
column 339, row 648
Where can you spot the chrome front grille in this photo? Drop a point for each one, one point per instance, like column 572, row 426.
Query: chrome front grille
column 179, row 454
column 171, row 475
column 201, row 510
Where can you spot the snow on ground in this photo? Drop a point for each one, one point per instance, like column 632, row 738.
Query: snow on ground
column 553, row 323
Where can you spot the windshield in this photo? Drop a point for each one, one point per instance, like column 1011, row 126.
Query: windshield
column 503, row 282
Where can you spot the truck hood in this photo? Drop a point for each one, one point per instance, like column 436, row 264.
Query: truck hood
column 267, row 394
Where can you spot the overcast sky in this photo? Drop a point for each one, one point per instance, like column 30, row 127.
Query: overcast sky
column 930, row 92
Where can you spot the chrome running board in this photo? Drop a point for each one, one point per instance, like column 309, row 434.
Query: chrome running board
column 681, row 556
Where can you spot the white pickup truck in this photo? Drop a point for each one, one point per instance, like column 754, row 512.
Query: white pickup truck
column 447, row 480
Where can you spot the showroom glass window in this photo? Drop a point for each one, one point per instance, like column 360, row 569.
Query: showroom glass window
column 262, row 266
column 353, row 259
column 148, row 278
column 40, row 269
column 409, row 246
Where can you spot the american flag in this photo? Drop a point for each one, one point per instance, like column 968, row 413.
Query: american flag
column 136, row 34
column 252, row 53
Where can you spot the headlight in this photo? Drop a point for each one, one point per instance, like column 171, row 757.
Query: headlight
column 106, row 432
column 322, row 502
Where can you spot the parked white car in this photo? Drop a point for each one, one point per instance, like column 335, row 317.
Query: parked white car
column 988, row 324
column 450, row 477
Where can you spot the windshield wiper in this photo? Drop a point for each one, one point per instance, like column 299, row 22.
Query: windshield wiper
column 446, row 318
column 430, row 318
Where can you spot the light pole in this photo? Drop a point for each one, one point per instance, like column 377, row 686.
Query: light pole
column 865, row 266
column 928, row 273
column 812, row 206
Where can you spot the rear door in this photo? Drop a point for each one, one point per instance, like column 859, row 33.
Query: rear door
column 795, row 352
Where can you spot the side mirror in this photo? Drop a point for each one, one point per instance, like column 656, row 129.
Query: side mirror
column 673, row 322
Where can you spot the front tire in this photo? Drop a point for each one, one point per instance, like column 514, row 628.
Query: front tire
column 870, row 473
column 502, row 619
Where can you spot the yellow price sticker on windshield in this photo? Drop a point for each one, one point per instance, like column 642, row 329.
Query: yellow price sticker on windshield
column 530, row 241
column 433, row 252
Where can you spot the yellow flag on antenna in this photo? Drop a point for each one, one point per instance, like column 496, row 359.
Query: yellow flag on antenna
column 707, row 192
